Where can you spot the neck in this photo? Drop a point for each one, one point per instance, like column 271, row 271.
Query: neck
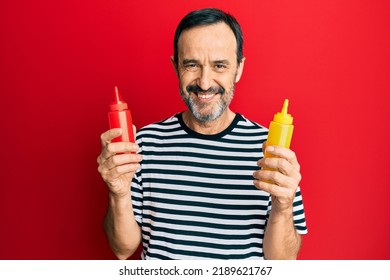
column 212, row 127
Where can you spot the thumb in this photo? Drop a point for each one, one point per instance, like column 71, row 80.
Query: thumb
column 264, row 146
column 107, row 136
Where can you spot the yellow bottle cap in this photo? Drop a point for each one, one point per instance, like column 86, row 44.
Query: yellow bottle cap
column 283, row 117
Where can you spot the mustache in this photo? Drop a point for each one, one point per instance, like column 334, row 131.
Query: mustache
column 197, row 89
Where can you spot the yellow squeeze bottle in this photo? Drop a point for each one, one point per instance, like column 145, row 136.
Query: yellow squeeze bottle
column 280, row 129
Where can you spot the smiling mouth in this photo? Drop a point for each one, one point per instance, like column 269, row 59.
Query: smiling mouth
column 205, row 96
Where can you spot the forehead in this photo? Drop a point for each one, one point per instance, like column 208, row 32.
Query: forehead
column 212, row 40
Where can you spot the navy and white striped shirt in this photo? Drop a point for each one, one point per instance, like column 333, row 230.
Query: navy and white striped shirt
column 194, row 196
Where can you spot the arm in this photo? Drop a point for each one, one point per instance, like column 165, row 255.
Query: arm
column 281, row 240
column 117, row 166
column 123, row 232
column 280, row 177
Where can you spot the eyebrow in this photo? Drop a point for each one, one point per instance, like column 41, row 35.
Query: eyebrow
column 221, row 61
column 186, row 61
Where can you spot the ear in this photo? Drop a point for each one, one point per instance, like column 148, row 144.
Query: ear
column 240, row 69
column 174, row 65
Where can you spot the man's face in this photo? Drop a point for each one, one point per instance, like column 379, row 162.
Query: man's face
column 207, row 69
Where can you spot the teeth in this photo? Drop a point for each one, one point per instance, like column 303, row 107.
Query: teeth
column 206, row 96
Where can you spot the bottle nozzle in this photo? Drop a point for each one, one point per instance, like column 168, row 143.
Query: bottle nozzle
column 283, row 116
column 118, row 97
column 118, row 103
column 285, row 107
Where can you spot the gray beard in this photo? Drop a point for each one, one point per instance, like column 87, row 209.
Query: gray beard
column 195, row 108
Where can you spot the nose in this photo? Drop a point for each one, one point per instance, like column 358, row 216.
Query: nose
column 204, row 81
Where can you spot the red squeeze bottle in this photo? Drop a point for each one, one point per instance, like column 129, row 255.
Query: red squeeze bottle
column 120, row 117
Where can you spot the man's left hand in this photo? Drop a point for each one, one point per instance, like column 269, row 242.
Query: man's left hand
column 279, row 175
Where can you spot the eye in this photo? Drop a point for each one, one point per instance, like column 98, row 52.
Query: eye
column 191, row 66
column 220, row 67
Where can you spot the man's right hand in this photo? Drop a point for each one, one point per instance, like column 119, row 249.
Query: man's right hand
column 118, row 162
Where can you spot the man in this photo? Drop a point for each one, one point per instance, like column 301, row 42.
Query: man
column 196, row 189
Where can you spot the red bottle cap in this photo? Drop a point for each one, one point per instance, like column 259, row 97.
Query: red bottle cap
column 118, row 104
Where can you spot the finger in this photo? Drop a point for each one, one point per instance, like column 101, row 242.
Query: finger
column 122, row 159
column 283, row 152
column 118, row 171
column 118, row 147
column 276, row 163
column 107, row 136
column 275, row 177
column 134, row 130
column 122, row 147
column 112, row 149
column 273, row 189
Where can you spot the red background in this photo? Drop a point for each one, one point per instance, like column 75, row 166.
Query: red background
column 60, row 60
